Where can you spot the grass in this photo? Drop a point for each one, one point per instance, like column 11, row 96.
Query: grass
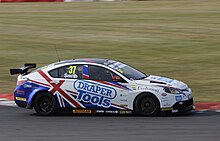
column 177, row 39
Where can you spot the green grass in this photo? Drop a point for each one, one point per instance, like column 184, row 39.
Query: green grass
column 177, row 39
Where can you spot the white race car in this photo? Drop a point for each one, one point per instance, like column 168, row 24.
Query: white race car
column 91, row 85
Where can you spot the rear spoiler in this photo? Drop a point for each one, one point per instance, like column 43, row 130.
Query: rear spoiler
column 23, row 70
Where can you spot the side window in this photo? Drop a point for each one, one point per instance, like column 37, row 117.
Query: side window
column 54, row 73
column 102, row 74
column 70, row 71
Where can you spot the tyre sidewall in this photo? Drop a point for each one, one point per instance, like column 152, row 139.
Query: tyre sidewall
column 137, row 105
column 38, row 109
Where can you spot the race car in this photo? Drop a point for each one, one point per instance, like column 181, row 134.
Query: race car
column 93, row 85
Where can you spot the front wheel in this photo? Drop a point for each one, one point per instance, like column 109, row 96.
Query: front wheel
column 147, row 105
column 45, row 104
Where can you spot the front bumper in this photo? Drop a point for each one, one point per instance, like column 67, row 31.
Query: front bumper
column 180, row 107
column 21, row 104
column 184, row 106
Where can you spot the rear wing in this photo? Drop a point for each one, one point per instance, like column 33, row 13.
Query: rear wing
column 23, row 70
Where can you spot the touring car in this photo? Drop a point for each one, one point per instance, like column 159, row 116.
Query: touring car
column 93, row 85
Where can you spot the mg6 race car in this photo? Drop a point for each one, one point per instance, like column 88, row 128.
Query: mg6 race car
column 91, row 85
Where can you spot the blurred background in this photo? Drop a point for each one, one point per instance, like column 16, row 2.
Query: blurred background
column 177, row 39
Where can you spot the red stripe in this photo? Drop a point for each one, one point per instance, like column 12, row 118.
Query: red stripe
column 103, row 82
column 39, row 83
column 120, row 106
column 72, row 92
column 56, row 87
column 85, row 76
column 69, row 98
column 44, row 76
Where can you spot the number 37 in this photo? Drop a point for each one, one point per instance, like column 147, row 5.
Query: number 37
column 72, row 69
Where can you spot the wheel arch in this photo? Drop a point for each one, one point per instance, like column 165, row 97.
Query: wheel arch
column 33, row 96
column 146, row 93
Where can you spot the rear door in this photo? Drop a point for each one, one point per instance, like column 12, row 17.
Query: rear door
column 63, row 79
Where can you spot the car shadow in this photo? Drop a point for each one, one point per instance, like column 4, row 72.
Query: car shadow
column 68, row 113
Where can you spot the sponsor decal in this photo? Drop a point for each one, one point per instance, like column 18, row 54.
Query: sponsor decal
column 163, row 94
column 99, row 111
column 163, row 79
column 166, row 104
column 27, row 86
column 20, row 98
column 167, row 109
column 123, row 95
column 123, row 105
column 178, row 98
column 168, row 80
column 133, row 86
column 125, row 112
column 94, row 93
column 148, row 89
column 106, row 111
column 174, row 111
column 19, row 92
column 123, row 100
column 111, row 111
column 82, row 111
column 164, row 98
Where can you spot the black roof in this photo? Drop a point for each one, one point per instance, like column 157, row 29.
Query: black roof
column 90, row 60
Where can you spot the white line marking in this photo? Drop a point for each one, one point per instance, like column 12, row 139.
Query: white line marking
column 7, row 103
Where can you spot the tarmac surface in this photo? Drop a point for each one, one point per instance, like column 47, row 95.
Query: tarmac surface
column 18, row 124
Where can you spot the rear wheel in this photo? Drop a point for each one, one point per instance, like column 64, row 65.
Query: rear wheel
column 45, row 104
column 147, row 105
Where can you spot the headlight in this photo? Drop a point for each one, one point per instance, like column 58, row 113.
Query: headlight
column 172, row 90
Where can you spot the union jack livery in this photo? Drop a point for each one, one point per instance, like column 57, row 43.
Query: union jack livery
column 91, row 85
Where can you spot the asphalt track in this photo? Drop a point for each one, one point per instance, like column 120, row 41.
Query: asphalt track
column 17, row 124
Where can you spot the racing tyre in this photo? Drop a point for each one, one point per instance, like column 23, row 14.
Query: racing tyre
column 147, row 105
column 45, row 104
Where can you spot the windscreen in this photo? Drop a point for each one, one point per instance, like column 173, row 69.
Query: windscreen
column 126, row 70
